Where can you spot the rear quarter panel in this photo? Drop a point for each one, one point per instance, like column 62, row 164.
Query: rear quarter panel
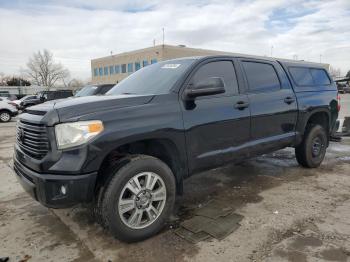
column 313, row 99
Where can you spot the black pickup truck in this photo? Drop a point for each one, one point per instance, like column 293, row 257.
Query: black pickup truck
column 128, row 152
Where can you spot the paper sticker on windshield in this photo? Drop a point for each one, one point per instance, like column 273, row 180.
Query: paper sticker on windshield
column 171, row 66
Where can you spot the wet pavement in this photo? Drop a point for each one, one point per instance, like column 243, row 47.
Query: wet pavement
column 289, row 214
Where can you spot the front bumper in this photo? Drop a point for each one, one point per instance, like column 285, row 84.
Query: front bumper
column 46, row 188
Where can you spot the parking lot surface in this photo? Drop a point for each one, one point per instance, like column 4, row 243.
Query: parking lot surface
column 289, row 214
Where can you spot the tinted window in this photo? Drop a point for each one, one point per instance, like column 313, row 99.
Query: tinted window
column 105, row 70
column 105, row 89
column 261, row 77
column 117, row 69
column 301, row 76
column 123, row 68
column 111, row 70
column 137, row 66
column 223, row 69
column 320, row 76
column 130, row 67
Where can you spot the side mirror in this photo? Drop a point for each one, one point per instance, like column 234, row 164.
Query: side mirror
column 207, row 87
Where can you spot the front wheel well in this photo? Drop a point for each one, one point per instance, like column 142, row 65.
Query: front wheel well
column 162, row 149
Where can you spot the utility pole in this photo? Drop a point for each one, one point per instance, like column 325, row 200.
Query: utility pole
column 320, row 58
column 163, row 35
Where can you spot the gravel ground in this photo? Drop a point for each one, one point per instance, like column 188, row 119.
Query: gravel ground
column 290, row 214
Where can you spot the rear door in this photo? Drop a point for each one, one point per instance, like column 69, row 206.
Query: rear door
column 272, row 103
column 217, row 125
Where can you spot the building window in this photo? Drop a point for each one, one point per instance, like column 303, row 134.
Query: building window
column 137, row 66
column 117, row 69
column 130, row 67
column 111, row 70
column 123, row 68
column 100, row 71
column 154, row 60
column 105, row 70
column 144, row 63
column 95, row 71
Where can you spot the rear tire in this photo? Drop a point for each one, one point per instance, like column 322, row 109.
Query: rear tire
column 5, row 116
column 136, row 187
column 310, row 153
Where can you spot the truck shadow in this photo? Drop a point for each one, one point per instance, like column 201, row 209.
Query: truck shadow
column 236, row 185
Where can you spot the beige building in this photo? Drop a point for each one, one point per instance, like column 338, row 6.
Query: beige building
column 112, row 69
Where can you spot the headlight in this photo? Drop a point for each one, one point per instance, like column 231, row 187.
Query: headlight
column 76, row 133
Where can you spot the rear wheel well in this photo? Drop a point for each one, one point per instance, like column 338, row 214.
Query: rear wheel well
column 319, row 118
column 162, row 149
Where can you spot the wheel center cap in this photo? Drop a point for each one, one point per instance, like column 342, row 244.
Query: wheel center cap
column 143, row 199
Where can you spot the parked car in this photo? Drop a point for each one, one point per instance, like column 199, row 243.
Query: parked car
column 44, row 96
column 18, row 102
column 7, row 110
column 6, row 94
column 128, row 152
column 343, row 88
column 93, row 90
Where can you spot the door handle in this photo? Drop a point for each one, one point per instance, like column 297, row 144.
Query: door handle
column 288, row 100
column 241, row 105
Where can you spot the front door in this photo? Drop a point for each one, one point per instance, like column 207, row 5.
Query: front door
column 216, row 126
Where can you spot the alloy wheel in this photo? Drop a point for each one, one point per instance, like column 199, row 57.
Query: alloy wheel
column 142, row 200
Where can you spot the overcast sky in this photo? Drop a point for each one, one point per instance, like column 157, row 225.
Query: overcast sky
column 78, row 30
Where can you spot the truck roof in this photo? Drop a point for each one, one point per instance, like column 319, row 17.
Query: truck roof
column 286, row 62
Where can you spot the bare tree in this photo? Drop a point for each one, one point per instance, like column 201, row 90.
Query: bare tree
column 335, row 72
column 43, row 70
column 76, row 83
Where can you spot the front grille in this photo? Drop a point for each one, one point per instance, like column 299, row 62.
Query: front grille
column 32, row 139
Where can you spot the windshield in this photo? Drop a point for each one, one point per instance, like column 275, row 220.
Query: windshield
column 154, row 79
column 27, row 98
column 86, row 91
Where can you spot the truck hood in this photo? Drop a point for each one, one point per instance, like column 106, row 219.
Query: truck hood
column 76, row 107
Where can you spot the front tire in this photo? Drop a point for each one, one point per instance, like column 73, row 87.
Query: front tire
column 311, row 152
column 5, row 116
column 139, row 198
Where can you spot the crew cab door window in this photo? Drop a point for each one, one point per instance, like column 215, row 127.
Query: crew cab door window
column 261, row 77
column 273, row 108
column 223, row 69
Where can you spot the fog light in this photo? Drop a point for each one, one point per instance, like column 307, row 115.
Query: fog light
column 64, row 190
